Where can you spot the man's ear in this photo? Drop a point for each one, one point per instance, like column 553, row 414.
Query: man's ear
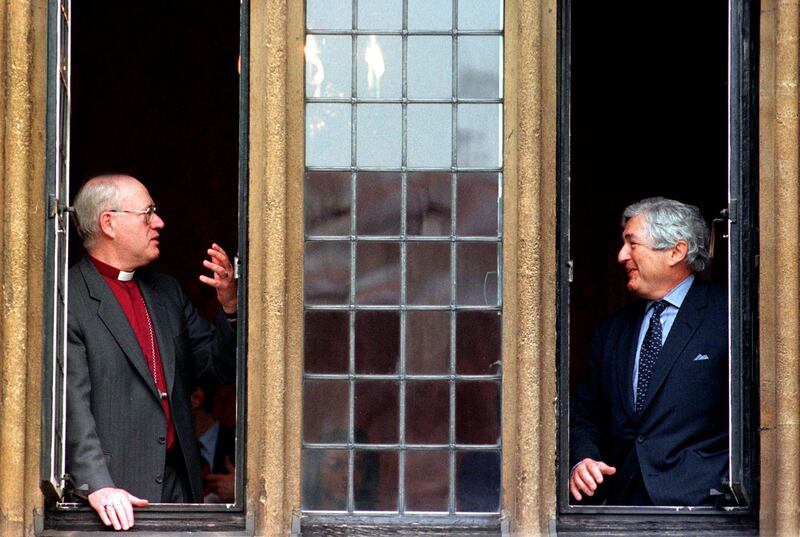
column 107, row 224
column 678, row 253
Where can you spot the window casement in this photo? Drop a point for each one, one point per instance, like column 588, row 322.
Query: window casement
column 65, row 128
column 403, row 261
column 631, row 126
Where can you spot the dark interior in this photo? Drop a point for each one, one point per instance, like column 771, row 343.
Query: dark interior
column 155, row 94
column 649, row 106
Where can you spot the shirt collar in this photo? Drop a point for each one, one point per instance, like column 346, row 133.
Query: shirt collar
column 678, row 293
column 208, row 443
column 110, row 272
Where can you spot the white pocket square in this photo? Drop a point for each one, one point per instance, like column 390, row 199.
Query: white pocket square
column 700, row 357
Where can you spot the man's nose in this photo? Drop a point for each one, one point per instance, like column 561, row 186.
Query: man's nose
column 156, row 222
column 624, row 254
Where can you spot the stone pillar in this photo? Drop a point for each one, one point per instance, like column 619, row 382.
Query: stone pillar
column 22, row 99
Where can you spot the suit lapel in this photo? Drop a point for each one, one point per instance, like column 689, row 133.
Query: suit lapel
column 686, row 323
column 164, row 335
column 628, row 340
column 112, row 316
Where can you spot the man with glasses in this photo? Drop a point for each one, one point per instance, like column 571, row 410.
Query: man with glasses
column 649, row 424
column 135, row 349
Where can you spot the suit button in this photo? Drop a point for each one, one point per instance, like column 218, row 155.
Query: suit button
column 159, row 479
column 640, row 439
column 162, row 439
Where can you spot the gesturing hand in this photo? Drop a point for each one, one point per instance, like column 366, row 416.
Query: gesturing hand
column 222, row 278
column 587, row 476
column 115, row 506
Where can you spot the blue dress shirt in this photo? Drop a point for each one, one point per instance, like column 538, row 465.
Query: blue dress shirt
column 674, row 299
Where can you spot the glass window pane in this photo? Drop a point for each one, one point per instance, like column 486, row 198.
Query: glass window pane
column 327, row 203
column 380, row 15
column 427, row 484
column 479, row 130
column 430, row 67
column 377, row 272
column 375, row 480
column 428, row 273
column 480, row 59
column 328, row 69
column 428, row 202
column 378, row 201
column 376, row 411
column 329, row 14
column 326, row 276
column 478, row 204
column 377, row 341
column 478, row 342
column 476, row 266
column 326, row 341
column 430, row 14
column 327, row 134
column 378, row 135
column 430, row 128
column 477, row 412
column 325, row 479
column 379, row 67
column 427, row 412
column 478, row 481
column 483, row 15
column 427, row 342
column 325, row 411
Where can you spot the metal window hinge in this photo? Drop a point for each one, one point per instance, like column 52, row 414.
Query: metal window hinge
column 570, row 273
column 236, row 267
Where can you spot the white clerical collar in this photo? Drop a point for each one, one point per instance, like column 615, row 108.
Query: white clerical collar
column 125, row 276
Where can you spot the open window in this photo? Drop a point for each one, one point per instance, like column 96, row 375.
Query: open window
column 658, row 101
column 158, row 92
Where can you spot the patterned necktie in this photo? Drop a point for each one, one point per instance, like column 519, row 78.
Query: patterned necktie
column 651, row 348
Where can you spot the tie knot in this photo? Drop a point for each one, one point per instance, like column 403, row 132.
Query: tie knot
column 659, row 307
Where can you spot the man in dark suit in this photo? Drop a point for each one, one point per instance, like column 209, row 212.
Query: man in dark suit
column 649, row 424
column 135, row 347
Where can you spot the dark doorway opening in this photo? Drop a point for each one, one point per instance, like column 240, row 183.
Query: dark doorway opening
column 155, row 94
column 649, row 108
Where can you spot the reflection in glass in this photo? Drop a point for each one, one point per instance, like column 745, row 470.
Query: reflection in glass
column 427, row 342
column 325, row 474
column 329, row 14
column 325, row 410
column 379, row 66
column 427, row 412
column 430, row 128
column 327, row 134
column 428, row 273
column 478, row 342
column 380, row 15
column 328, row 66
column 376, row 410
column 483, row 15
column 377, row 272
column 477, row 275
column 480, row 59
column 478, row 204
column 326, row 275
column 477, row 412
column 430, row 14
column 478, row 137
column 377, row 341
column 378, row 133
column 478, row 481
column 325, row 341
column 430, row 67
column 426, row 480
column 428, row 202
column 378, row 198
column 375, row 480
column 327, row 203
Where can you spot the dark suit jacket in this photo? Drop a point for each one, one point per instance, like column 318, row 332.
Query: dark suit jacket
column 680, row 439
column 116, row 428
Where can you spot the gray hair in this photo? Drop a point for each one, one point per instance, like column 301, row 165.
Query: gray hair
column 95, row 196
column 668, row 221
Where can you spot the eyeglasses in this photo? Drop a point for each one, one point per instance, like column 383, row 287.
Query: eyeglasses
column 148, row 212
